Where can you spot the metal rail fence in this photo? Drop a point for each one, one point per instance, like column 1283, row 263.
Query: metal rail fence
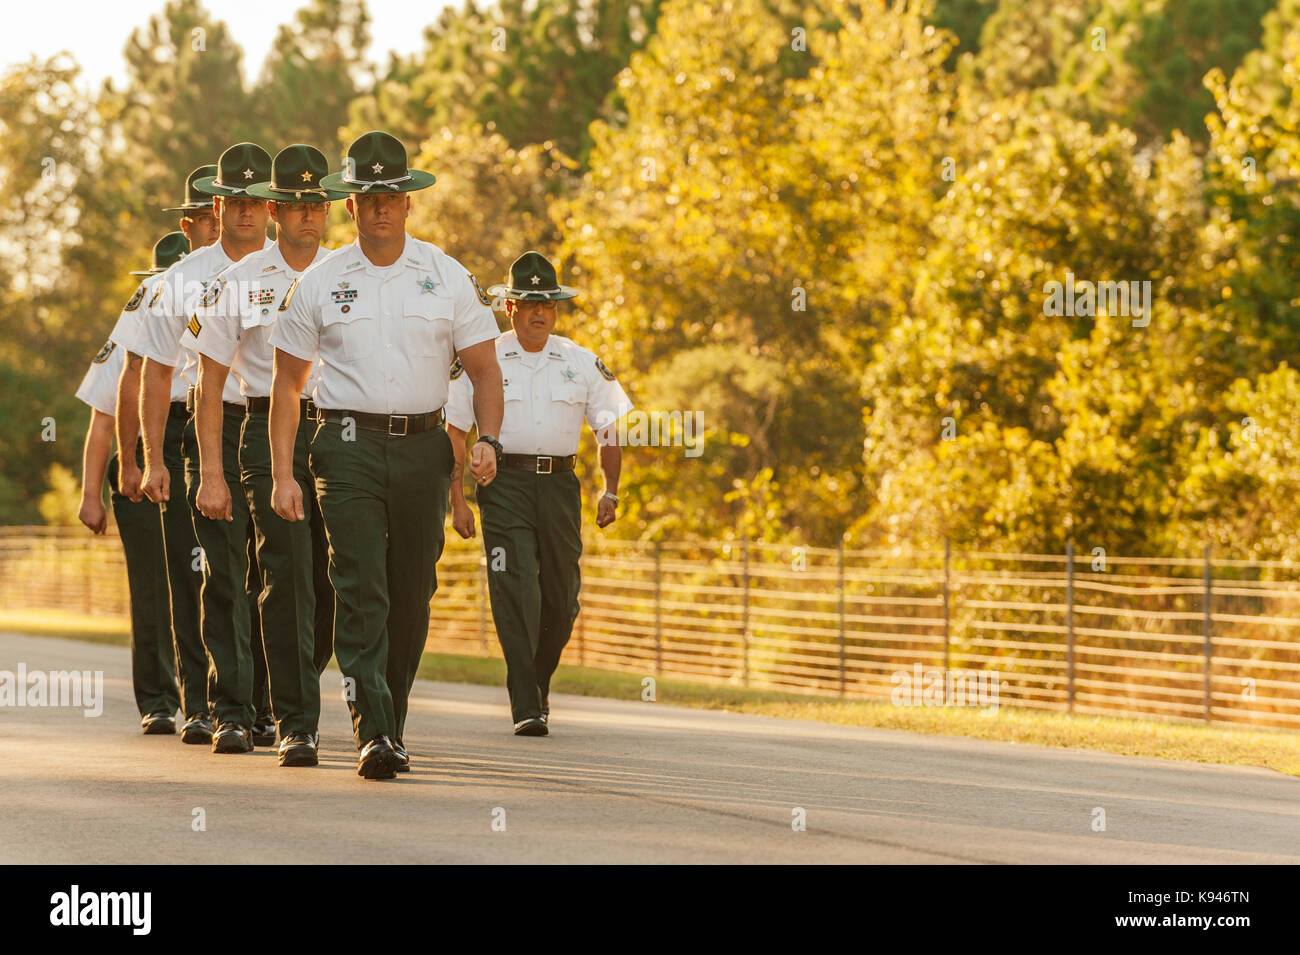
column 1175, row 638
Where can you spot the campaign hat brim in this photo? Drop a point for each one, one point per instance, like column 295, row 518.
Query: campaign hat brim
column 208, row 186
column 263, row 190
column 532, row 295
column 147, row 272
column 419, row 180
column 189, row 207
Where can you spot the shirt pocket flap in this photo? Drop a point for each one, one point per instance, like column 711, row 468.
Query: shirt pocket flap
column 337, row 314
column 431, row 308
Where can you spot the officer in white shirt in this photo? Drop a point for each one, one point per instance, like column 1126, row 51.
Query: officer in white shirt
column 386, row 315
column 153, row 661
column 231, row 635
column 297, row 602
column 532, row 512
column 184, row 568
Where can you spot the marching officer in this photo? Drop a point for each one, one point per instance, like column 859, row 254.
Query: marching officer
column 153, row 664
column 385, row 314
column 199, row 227
column 297, row 603
column 532, row 512
column 228, row 627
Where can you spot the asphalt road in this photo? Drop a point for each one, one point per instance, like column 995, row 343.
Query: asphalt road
column 617, row 781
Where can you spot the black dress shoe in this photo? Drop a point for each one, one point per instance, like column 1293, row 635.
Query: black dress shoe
column 533, row 726
column 378, row 761
column 197, row 729
column 158, row 724
column 232, row 738
column 263, row 731
column 299, row 750
column 403, row 761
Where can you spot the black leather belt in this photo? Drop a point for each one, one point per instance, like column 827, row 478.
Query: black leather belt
column 306, row 408
column 228, row 408
column 394, row 425
column 540, row 463
column 178, row 409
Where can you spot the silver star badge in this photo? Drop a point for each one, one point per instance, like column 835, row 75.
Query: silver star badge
column 537, row 280
column 427, row 285
column 377, row 167
column 248, row 174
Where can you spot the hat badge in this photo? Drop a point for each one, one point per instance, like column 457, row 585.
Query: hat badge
column 306, row 175
column 377, row 167
column 248, row 174
column 537, row 279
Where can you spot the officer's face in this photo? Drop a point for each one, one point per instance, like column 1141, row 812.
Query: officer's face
column 380, row 217
column 532, row 321
column 200, row 227
column 300, row 223
column 242, row 218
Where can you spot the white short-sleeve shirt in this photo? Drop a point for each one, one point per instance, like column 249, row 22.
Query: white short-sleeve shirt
column 235, row 329
column 386, row 336
column 187, row 286
column 548, row 396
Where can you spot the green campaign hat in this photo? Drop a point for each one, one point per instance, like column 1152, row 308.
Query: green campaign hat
column 239, row 167
column 193, row 199
column 376, row 162
column 532, row 278
column 167, row 251
column 296, row 173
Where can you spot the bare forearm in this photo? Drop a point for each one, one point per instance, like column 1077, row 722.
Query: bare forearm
column 458, row 438
column 611, row 465
column 155, row 396
column 94, row 456
column 208, row 415
column 128, row 405
column 289, row 379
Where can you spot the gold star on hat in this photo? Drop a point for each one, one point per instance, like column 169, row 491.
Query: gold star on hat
column 306, row 175
column 248, row 174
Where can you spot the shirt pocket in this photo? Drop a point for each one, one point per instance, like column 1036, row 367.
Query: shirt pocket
column 347, row 333
column 568, row 403
column 426, row 326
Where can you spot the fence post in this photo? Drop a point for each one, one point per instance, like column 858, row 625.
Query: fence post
column 482, row 605
column 744, row 608
column 1069, row 621
column 1209, row 640
column 841, row 591
column 947, row 639
column 659, row 646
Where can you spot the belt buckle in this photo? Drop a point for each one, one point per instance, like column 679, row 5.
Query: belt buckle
column 550, row 463
column 405, row 425
column 310, row 412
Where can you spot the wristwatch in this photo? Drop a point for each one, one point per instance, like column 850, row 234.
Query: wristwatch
column 496, row 445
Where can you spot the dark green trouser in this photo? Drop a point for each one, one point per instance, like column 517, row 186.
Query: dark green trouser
column 297, row 602
column 184, row 574
column 532, row 535
column 153, row 661
column 384, row 500
column 231, row 634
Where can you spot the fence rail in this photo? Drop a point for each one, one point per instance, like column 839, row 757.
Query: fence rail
column 1170, row 638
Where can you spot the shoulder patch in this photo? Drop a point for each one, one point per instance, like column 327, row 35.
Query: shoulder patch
column 102, row 355
column 478, row 290
column 194, row 326
column 604, row 371
column 457, row 369
column 212, row 292
column 288, row 296
column 132, row 305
